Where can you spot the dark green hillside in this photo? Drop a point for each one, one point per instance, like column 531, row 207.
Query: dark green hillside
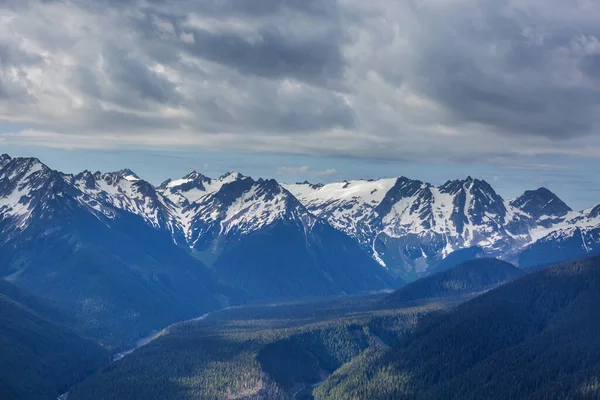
column 40, row 359
column 121, row 279
column 469, row 277
column 251, row 352
column 534, row 338
column 38, row 305
column 457, row 257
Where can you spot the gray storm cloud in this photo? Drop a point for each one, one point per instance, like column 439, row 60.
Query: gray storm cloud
column 386, row 79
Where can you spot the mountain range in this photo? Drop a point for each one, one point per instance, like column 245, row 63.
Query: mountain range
column 409, row 226
column 406, row 226
column 127, row 256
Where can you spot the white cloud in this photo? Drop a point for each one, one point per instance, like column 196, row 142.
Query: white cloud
column 293, row 170
column 476, row 80
column 326, row 172
column 305, row 170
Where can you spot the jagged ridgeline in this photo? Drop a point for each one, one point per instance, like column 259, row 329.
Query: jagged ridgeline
column 116, row 257
column 128, row 257
column 412, row 226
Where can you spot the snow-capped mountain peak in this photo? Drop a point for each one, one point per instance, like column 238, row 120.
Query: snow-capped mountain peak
column 263, row 202
column 20, row 180
column 128, row 175
column 194, row 176
column 541, row 202
column 371, row 191
column 238, row 205
column 594, row 212
column 30, row 190
column 125, row 173
column 194, row 186
column 4, row 159
column 475, row 203
column 349, row 206
column 230, row 176
column 126, row 191
column 314, row 186
column 403, row 188
column 21, row 168
column 461, row 211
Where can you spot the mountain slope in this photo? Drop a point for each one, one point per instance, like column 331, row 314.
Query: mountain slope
column 119, row 275
column 4, row 159
column 282, row 262
column 577, row 235
column 541, row 203
column 532, row 338
column 124, row 190
column 258, row 237
column 410, row 226
column 40, row 357
column 127, row 258
column 39, row 305
column 469, row 277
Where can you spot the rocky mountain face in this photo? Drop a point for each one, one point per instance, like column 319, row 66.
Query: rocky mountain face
column 261, row 238
column 282, row 238
column 409, row 226
column 129, row 257
column 541, row 202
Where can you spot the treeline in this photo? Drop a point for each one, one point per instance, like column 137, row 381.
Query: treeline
column 258, row 353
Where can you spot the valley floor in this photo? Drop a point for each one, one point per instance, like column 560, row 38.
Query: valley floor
column 272, row 351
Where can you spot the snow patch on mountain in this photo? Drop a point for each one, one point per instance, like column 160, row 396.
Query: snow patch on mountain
column 4, row 159
column 30, row 190
column 348, row 206
column 21, row 179
column 369, row 192
column 15, row 203
column 571, row 221
column 124, row 190
column 194, row 186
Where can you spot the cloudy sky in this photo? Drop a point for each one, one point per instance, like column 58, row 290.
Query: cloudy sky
column 507, row 90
